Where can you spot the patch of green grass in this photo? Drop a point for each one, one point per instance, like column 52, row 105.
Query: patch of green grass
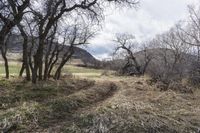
column 13, row 68
column 75, row 69
column 39, row 94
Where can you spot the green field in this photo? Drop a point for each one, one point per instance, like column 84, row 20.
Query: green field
column 15, row 68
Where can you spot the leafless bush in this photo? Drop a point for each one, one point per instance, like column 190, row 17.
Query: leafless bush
column 179, row 87
column 194, row 76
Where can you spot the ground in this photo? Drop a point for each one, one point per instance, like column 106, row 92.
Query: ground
column 96, row 101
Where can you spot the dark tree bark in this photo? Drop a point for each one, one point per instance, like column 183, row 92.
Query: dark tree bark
column 3, row 33
column 22, row 70
column 53, row 61
column 65, row 59
column 30, row 54
column 17, row 11
column 48, row 52
column 3, row 53
column 25, row 64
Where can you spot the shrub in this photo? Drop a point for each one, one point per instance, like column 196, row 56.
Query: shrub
column 175, row 86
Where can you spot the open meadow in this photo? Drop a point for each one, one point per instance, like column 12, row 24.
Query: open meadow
column 91, row 101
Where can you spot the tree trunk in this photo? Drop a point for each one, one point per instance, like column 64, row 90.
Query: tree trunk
column 47, row 62
column 51, row 67
column 22, row 70
column 34, row 75
column 52, row 62
column 3, row 53
column 30, row 54
column 3, row 47
column 66, row 58
column 48, row 52
column 25, row 64
column 38, row 62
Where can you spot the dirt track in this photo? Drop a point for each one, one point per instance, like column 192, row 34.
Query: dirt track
column 139, row 107
column 108, row 105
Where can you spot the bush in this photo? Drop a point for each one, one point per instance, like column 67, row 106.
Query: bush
column 162, row 86
column 180, row 88
column 194, row 77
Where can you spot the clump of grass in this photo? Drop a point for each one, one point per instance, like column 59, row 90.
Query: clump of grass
column 5, row 83
column 143, row 110
column 25, row 115
column 71, row 129
column 13, row 68
column 81, row 99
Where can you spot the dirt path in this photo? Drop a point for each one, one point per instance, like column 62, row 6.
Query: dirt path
column 83, row 100
column 135, row 106
column 150, row 109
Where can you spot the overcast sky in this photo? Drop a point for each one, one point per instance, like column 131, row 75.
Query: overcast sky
column 152, row 17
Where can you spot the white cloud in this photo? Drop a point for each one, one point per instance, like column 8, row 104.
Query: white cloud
column 151, row 18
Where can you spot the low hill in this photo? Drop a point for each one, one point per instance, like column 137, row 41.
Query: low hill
column 162, row 56
column 15, row 51
column 158, row 57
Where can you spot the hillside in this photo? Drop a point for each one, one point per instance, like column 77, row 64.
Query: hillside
column 15, row 51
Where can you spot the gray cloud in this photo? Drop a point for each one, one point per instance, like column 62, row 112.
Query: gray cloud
column 151, row 18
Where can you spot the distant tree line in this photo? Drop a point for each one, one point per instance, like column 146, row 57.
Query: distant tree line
column 46, row 27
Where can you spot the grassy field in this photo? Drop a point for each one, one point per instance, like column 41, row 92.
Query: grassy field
column 96, row 103
column 15, row 68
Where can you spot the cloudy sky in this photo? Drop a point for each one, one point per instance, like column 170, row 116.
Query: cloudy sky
column 152, row 17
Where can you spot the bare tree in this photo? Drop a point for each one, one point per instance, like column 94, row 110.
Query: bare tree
column 53, row 10
column 25, row 62
column 191, row 33
column 171, row 56
column 50, row 45
column 11, row 13
column 75, row 36
column 145, row 56
column 126, row 42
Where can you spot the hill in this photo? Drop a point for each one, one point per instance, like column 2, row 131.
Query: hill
column 158, row 57
column 15, row 51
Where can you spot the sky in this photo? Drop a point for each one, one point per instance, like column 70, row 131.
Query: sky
column 151, row 17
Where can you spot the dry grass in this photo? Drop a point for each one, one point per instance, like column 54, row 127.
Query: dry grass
column 28, row 108
column 77, row 105
column 138, row 107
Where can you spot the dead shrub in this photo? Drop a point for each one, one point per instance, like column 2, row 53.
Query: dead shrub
column 178, row 87
column 194, row 75
column 162, row 86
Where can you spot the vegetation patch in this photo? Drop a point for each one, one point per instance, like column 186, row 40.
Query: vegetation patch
column 27, row 107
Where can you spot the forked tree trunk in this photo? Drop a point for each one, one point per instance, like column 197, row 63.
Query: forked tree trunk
column 38, row 62
column 47, row 62
column 53, row 61
column 3, row 34
column 25, row 64
column 3, row 53
column 30, row 53
column 22, row 70
column 3, row 47
column 65, row 59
